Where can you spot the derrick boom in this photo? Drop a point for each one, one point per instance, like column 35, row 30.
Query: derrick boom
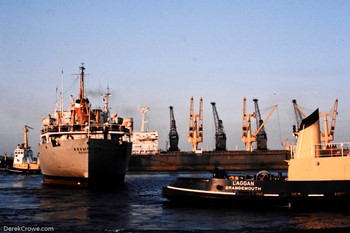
column 195, row 125
column 173, row 135
column 220, row 136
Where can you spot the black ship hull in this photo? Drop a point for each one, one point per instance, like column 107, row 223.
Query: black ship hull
column 258, row 193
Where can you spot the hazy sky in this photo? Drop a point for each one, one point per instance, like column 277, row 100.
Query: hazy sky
column 158, row 53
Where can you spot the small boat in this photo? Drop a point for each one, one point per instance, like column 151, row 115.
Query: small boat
column 24, row 161
column 5, row 162
column 84, row 147
column 317, row 175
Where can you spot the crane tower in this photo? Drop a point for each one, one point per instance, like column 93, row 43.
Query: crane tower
column 328, row 133
column 173, row 135
column 247, row 136
column 299, row 116
column 220, row 136
column 261, row 140
column 195, row 126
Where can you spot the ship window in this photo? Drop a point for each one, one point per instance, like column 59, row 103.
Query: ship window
column 55, row 142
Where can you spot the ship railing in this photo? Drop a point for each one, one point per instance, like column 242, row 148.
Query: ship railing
column 333, row 150
column 292, row 151
column 81, row 127
column 341, row 149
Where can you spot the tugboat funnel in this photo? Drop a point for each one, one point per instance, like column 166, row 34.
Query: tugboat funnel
column 308, row 137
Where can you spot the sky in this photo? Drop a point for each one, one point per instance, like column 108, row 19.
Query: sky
column 159, row 53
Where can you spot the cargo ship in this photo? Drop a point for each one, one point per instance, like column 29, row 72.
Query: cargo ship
column 84, row 147
column 317, row 175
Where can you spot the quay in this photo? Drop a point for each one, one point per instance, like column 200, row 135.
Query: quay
column 228, row 160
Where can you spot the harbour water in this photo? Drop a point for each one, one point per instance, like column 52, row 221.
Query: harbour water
column 29, row 206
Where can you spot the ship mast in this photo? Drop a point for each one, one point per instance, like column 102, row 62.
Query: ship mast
column 82, row 109
column 81, row 89
column 143, row 111
column 62, row 93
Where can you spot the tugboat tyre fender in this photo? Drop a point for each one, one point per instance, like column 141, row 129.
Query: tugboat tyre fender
column 263, row 175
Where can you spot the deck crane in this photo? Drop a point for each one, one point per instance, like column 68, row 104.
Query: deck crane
column 195, row 126
column 247, row 136
column 173, row 135
column 328, row 134
column 220, row 135
column 261, row 140
column 299, row 116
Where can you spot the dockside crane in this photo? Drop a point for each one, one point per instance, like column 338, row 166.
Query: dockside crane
column 328, row 133
column 299, row 116
column 173, row 135
column 247, row 136
column 220, row 135
column 195, row 126
column 261, row 140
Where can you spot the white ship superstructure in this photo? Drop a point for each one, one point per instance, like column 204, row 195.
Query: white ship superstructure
column 145, row 141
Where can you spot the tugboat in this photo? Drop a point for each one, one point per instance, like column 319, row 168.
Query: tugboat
column 84, row 147
column 317, row 175
column 23, row 161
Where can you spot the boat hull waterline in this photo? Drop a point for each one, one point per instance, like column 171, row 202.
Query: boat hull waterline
column 257, row 192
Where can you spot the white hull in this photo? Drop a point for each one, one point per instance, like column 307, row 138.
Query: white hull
column 84, row 146
column 84, row 161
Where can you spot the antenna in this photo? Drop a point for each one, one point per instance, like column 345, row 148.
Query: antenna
column 62, row 93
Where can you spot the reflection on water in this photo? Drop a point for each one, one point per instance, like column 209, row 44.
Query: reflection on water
column 321, row 219
column 138, row 205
